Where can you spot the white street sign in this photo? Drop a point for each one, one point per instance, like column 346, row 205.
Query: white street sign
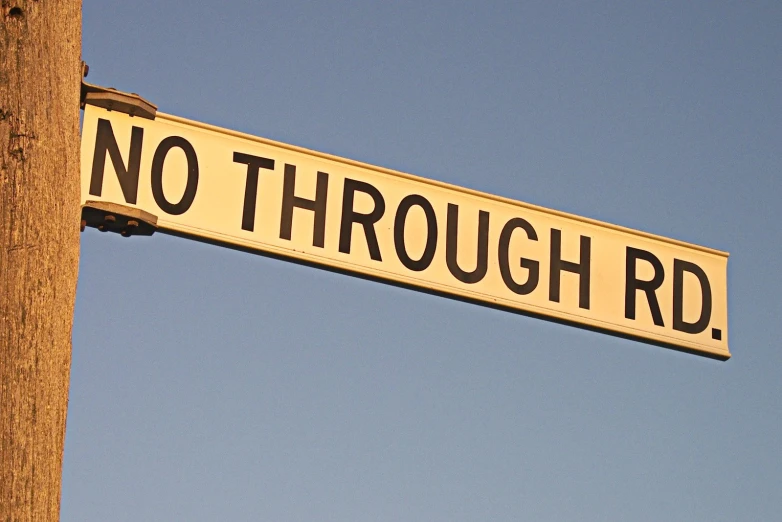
column 255, row 194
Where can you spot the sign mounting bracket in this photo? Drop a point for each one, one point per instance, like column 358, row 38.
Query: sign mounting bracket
column 113, row 100
column 113, row 217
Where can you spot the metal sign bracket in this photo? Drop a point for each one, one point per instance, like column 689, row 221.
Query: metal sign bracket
column 112, row 217
column 113, row 100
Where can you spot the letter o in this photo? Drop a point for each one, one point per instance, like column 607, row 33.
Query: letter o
column 157, row 175
column 431, row 232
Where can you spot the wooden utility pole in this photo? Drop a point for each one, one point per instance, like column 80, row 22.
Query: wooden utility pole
column 40, row 72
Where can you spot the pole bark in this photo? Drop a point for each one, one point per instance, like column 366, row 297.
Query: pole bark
column 40, row 73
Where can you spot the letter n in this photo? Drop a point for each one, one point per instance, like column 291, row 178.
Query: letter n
column 127, row 176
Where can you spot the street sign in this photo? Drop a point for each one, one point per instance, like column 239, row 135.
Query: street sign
column 258, row 195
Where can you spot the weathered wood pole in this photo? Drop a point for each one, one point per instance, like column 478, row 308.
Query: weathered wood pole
column 40, row 56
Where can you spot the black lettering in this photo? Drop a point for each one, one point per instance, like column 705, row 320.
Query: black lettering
column 158, row 159
column 451, row 246
column 254, row 164
column 533, row 267
column 679, row 267
column 128, row 177
column 318, row 205
column 431, row 232
column 350, row 216
column 582, row 268
column 633, row 284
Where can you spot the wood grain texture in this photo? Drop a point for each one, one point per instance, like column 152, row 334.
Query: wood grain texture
column 40, row 47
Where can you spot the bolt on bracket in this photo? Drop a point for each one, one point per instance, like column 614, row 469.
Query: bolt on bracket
column 113, row 100
column 113, row 217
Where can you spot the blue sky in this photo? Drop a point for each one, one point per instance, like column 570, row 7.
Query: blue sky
column 209, row 384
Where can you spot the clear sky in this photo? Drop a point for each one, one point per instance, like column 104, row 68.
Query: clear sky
column 209, row 384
